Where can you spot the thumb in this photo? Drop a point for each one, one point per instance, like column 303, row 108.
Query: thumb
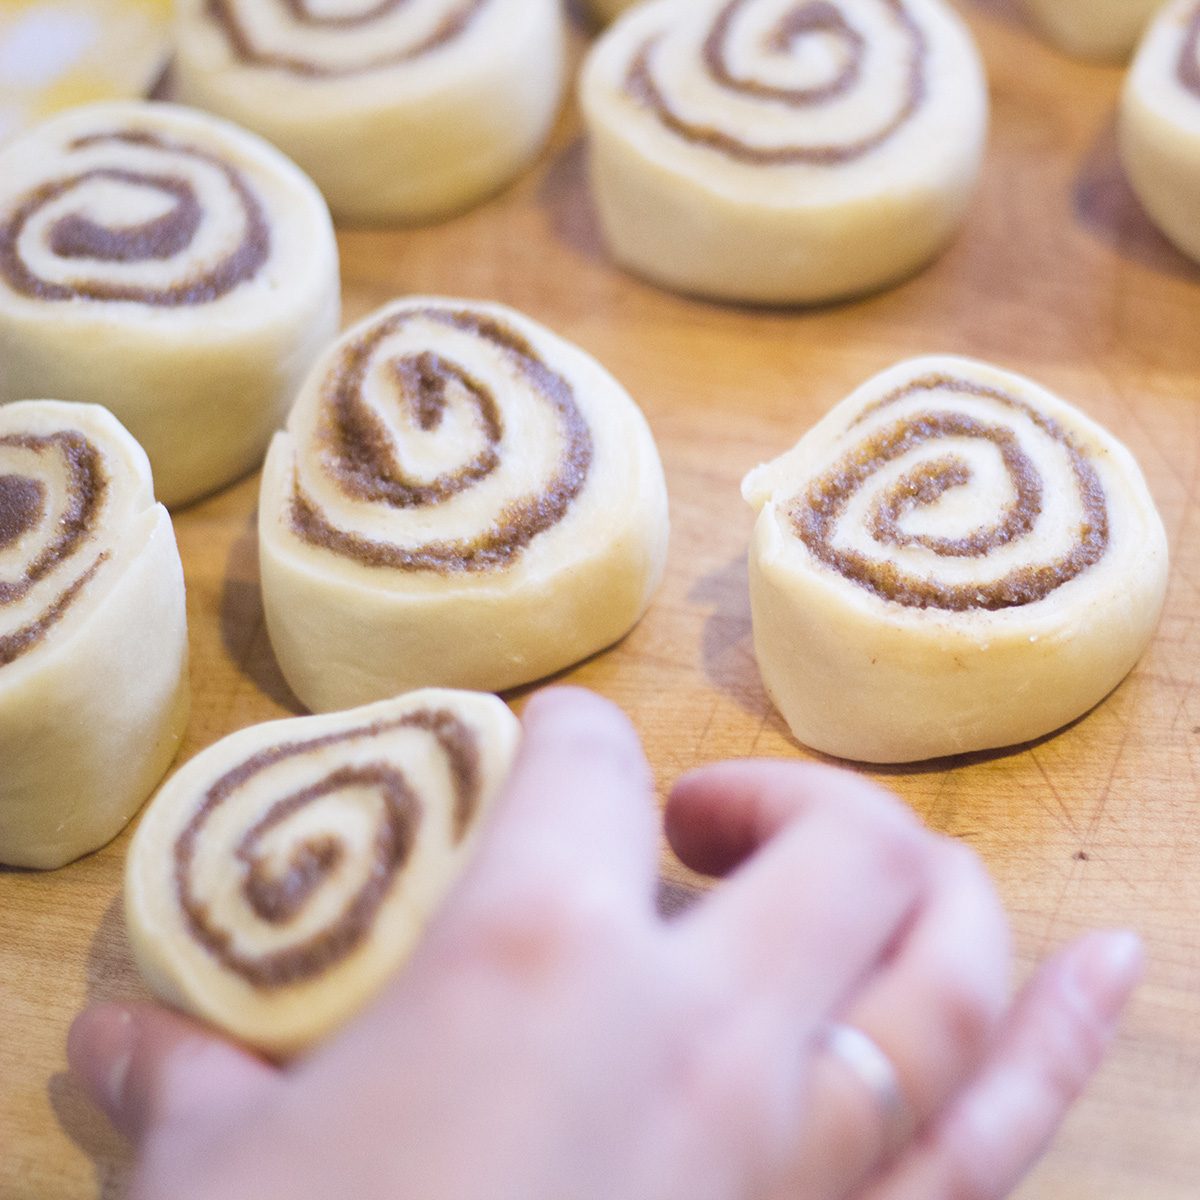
column 149, row 1069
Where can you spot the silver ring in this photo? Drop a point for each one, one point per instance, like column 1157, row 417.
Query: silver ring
column 876, row 1072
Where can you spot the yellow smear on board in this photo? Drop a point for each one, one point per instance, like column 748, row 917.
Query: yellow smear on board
column 58, row 53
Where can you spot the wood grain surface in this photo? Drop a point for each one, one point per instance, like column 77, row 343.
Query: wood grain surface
column 1057, row 274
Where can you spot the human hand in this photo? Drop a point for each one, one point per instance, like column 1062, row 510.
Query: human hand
column 554, row 1037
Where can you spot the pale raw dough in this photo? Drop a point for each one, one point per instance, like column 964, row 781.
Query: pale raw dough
column 399, row 111
column 171, row 267
column 460, row 499
column 775, row 152
column 1159, row 125
column 280, row 878
column 1106, row 30
column 93, row 634
column 905, row 609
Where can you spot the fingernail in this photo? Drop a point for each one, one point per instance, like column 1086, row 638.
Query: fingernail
column 1109, row 970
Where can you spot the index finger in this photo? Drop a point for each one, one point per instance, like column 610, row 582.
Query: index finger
column 578, row 809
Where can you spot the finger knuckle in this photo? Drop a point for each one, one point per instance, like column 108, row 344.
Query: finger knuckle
column 1076, row 1046
column 970, row 1012
column 976, row 986
column 570, row 712
column 590, row 745
column 965, row 1181
column 962, row 865
column 897, row 848
column 961, row 859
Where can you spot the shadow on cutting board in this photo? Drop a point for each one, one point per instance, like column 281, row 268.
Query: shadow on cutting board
column 111, row 975
column 1108, row 209
column 243, row 625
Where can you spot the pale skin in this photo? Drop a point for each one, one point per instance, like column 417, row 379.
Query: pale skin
column 554, row 1038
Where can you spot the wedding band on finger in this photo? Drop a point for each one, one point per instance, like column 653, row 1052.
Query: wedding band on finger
column 863, row 1058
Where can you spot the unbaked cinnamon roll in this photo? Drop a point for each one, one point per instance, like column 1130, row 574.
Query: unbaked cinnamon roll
column 1159, row 126
column 171, row 267
column 953, row 559
column 282, row 876
column 93, row 636
column 1101, row 29
column 401, row 110
column 460, row 499
column 783, row 151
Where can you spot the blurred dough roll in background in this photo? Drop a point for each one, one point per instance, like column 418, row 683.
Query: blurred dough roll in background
column 401, row 110
column 282, row 876
column 58, row 53
column 953, row 559
column 171, row 267
column 1106, row 30
column 778, row 151
column 1159, row 125
column 93, row 637
column 461, row 499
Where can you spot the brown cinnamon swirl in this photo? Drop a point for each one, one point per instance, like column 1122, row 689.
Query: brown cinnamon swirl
column 783, row 150
column 608, row 10
column 400, row 110
column 24, row 512
column 75, row 240
column 281, row 877
column 809, row 20
column 170, row 267
column 384, row 21
column 91, row 619
column 953, row 559
column 460, row 498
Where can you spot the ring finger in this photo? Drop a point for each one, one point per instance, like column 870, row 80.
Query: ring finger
column 925, row 983
column 932, row 1010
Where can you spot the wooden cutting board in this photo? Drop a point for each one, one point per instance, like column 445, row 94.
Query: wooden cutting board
column 1057, row 274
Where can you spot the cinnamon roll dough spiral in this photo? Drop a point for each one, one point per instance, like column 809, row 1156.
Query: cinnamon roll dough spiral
column 953, row 559
column 1106, row 30
column 461, row 498
column 282, row 876
column 171, row 267
column 401, row 110
column 93, row 636
column 1159, row 125
column 783, row 151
